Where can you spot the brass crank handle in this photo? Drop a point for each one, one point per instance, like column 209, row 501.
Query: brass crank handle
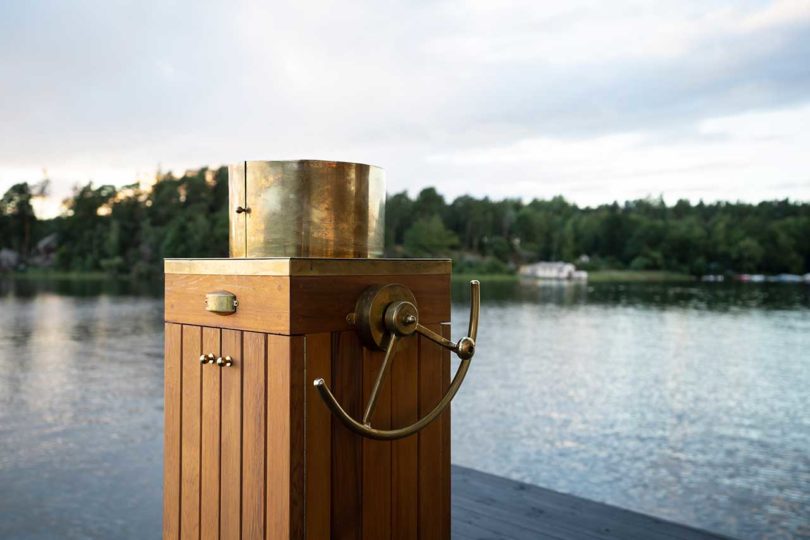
column 465, row 349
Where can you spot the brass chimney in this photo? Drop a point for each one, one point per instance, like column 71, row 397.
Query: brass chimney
column 306, row 208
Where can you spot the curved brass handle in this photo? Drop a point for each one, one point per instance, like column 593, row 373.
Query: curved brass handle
column 402, row 320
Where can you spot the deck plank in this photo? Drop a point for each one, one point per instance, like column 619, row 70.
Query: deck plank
column 488, row 507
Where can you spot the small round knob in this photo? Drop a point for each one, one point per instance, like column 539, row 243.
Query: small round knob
column 242, row 210
column 207, row 358
column 401, row 318
column 466, row 348
column 225, row 362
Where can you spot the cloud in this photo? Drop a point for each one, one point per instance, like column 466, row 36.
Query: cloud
column 729, row 158
column 109, row 90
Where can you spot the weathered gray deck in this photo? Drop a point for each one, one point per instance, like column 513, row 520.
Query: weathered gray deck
column 487, row 507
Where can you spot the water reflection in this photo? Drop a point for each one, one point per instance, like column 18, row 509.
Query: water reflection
column 80, row 415
column 30, row 287
column 688, row 402
column 685, row 402
column 699, row 296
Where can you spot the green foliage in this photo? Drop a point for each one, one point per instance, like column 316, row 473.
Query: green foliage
column 17, row 217
column 429, row 237
column 642, row 235
column 129, row 231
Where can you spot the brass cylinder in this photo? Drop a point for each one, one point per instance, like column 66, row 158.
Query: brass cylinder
column 306, row 208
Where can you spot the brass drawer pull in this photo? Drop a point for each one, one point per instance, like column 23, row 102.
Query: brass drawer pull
column 207, row 358
column 223, row 302
column 391, row 311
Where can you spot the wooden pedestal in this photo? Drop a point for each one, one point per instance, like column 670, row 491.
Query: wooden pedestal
column 251, row 452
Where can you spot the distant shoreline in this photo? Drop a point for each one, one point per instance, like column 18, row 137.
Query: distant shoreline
column 598, row 276
column 594, row 276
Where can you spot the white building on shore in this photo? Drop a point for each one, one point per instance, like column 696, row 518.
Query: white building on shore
column 557, row 271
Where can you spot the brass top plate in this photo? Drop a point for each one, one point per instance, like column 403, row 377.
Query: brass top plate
column 300, row 266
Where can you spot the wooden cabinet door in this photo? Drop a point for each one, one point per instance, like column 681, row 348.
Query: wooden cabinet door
column 189, row 433
column 229, row 460
column 182, row 432
column 214, row 435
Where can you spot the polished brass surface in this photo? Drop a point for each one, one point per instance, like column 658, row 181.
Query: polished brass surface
column 225, row 362
column 291, row 266
column 400, row 319
column 221, row 302
column 207, row 358
column 306, row 208
column 370, row 311
column 236, row 198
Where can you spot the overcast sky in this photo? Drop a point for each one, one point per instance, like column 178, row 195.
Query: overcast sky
column 592, row 100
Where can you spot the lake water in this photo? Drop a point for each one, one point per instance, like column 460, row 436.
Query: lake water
column 689, row 402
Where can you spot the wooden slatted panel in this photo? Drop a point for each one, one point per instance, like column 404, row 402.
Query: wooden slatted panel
column 171, row 433
column 347, row 447
column 209, row 498
column 252, row 365
column 376, row 491
column 231, row 448
column 190, row 442
column 298, row 386
column 431, row 499
column 318, row 438
column 285, row 437
column 404, row 452
column 446, row 452
column 278, row 437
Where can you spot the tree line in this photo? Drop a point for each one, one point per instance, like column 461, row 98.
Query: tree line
column 128, row 230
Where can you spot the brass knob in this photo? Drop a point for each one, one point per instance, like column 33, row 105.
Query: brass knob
column 225, row 362
column 207, row 358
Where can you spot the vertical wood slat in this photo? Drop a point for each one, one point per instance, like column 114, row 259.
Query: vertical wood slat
column 405, row 452
column 171, row 431
column 431, row 509
column 209, row 498
column 285, row 437
column 347, row 447
column 446, row 454
column 252, row 365
column 318, row 438
column 278, row 437
column 376, row 473
column 231, row 436
column 190, row 439
column 297, row 404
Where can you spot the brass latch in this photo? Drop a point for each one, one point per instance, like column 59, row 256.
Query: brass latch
column 221, row 302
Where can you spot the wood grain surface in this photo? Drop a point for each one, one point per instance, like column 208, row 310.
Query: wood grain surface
column 209, row 488
column 171, row 434
column 190, row 434
column 231, row 446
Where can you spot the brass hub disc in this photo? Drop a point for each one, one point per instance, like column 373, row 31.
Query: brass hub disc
column 372, row 317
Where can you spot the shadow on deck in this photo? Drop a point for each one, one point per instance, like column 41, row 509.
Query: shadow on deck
column 488, row 507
